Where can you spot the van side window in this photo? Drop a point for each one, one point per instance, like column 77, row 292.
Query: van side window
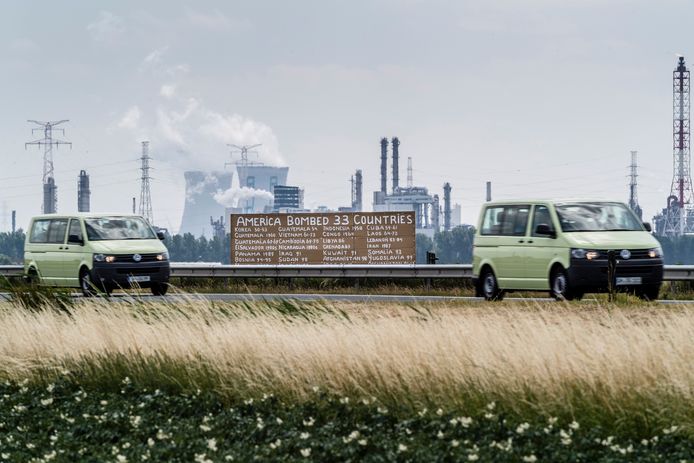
column 56, row 231
column 39, row 231
column 541, row 217
column 75, row 229
column 505, row 220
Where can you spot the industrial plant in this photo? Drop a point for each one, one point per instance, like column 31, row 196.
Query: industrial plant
column 410, row 197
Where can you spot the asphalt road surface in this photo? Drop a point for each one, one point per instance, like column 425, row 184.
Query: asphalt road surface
column 223, row 297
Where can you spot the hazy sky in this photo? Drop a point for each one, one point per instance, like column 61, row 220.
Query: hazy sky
column 544, row 98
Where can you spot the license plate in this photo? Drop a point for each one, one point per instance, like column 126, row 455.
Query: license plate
column 624, row 281
column 138, row 279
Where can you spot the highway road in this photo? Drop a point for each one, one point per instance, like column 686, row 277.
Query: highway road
column 225, row 297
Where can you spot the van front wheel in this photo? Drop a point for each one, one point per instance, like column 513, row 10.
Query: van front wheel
column 560, row 288
column 159, row 289
column 489, row 288
column 86, row 284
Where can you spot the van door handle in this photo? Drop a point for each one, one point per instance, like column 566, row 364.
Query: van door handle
column 530, row 241
column 521, row 241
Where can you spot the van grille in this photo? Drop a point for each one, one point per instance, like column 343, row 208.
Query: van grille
column 129, row 257
column 635, row 254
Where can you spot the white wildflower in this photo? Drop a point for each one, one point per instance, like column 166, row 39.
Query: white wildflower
column 279, row 421
column 670, row 430
column 104, row 402
column 315, row 389
column 382, row 410
column 439, row 412
column 491, row 406
column 473, row 457
column 440, row 435
column 530, row 458
column 304, row 435
column 422, row 412
column 47, row 401
column 522, row 428
column 212, row 444
column 274, row 445
column 202, row 458
column 309, row 422
column 50, row 387
column 121, row 458
column 126, row 380
column 362, row 442
column 344, row 400
column 574, row 425
column 150, row 442
column 205, row 428
column 402, row 448
column 489, row 416
column 305, row 452
column 161, row 435
column 552, row 420
column 455, row 443
column 135, row 421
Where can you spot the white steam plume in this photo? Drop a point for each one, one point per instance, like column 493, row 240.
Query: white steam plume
column 232, row 196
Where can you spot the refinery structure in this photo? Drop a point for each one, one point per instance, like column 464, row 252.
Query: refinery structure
column 427, row 207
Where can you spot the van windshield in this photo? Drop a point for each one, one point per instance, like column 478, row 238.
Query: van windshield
column 118, row 228
column 597, row 216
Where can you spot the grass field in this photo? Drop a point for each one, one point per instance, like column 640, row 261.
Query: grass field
column 593, row 371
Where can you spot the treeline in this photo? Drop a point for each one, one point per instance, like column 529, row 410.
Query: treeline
column 451, row 247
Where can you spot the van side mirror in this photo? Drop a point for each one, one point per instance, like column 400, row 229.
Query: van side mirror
column 544, row 230
column 160, row 235
column 647, row 226
column 75, row 239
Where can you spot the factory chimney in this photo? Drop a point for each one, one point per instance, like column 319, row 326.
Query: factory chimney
column 489, row 191
column 436, row 214
column 446, row 206
column 50, row 196
column 396, row 167
column 357, row 193
column 384, row 165
column 14, row 221
column 83, row 192
column 134, row 205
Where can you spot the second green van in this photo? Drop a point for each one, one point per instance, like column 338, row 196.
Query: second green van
column 568, row 248
column 96, row 252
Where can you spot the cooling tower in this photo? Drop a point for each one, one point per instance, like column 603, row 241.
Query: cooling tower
column 260, row 178
column 200, row 203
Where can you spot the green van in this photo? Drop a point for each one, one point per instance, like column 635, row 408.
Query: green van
column 96, row 251
column 565, row 247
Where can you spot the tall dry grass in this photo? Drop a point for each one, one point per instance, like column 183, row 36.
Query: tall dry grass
column 629, row 366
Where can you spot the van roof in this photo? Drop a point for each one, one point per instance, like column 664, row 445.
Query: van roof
column 85, row 215
column 552, row 201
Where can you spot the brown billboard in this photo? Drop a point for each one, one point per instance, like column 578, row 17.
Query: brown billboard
column 323, row 238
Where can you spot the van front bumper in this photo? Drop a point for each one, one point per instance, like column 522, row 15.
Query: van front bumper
column 120, row 274
column 591, row 275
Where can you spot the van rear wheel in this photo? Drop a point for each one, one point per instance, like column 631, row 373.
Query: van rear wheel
column 489, row 288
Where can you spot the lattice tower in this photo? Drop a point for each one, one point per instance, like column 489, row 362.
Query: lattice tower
column 145, row 189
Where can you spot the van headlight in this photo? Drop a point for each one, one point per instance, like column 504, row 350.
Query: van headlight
column 655, row 252
column 578, row 253
column 104, row 258
column 163, row 256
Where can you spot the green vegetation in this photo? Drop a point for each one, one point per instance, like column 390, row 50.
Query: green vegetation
column 128, row 422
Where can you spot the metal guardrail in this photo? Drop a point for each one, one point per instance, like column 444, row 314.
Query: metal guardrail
column 202, row 270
